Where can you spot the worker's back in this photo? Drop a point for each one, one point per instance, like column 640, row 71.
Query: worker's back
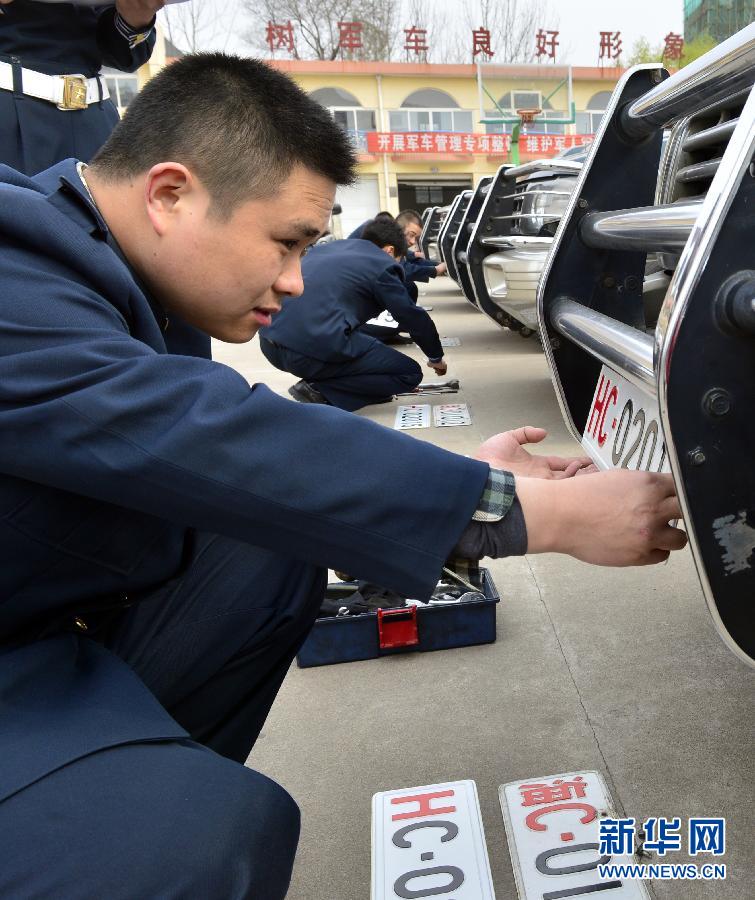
column 341, row 292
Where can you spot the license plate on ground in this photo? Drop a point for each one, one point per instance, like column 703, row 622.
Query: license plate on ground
column 429, row 842
column 552, row 827
column 412, row 415
column 448, row 414
column 623, row 428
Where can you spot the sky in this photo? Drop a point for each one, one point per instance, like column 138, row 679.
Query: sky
column 579, row 23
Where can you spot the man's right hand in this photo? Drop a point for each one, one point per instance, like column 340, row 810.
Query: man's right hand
column 615, row 518
column 440, row 368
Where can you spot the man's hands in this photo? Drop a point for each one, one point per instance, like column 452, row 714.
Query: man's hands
column 441, row 269
column 138, row 13
column 506, row 451
column 615, row 518
column 440, row 368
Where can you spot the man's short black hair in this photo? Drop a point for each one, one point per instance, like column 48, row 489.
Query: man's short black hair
column 386, row 233
column 384, row 214
column 239, row 124
column 409, row 215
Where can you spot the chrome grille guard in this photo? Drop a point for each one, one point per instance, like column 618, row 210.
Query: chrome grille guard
column 699, row 364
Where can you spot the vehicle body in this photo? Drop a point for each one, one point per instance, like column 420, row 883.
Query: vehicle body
column 450, row 229
column 646, row 307
column 432, row 221
column 461, row 241
column 512, row 241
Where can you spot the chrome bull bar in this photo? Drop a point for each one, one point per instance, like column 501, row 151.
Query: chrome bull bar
column 461, row 242
column 495, row 228
column 433, row 219
column 697, row 361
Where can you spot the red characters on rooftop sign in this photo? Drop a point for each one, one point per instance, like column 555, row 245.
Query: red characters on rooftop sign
column 280, row 37
column 481, row 43
column 673, row 46
column 610, row 45
column 546, row 43
column 416, row 40
column 350, row 36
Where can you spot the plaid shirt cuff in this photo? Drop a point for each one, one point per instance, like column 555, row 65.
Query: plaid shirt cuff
column 497, row 497
column 467, row 571
column 130, row 34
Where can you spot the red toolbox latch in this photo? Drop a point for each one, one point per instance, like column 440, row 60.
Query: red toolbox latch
column 397, row 627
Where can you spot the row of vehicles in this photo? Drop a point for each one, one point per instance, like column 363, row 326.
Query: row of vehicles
column 636, row 268
column 495, row 239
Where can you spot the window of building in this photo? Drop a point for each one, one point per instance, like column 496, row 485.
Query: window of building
column 348, row 112
column 123, row 87
column 431, row 110
column 331, row 96
column 355, row 119
column 588, row 121
column 430, row 98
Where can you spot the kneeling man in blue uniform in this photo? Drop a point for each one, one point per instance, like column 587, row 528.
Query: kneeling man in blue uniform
column 317, row 336
column 165, row 530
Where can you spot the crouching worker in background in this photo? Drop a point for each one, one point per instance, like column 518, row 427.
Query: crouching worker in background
column 316, row 337
column 166, row 529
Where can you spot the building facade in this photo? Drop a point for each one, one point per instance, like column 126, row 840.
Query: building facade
column 425, row 131
column 719, row 19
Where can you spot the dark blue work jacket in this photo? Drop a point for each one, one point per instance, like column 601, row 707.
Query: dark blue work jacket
column 115, row 446
column 59, row 39
column 357, row 232
column 417, row 268
column 347, row 283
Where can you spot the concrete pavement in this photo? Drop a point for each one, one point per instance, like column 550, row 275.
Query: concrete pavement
column 616, row 670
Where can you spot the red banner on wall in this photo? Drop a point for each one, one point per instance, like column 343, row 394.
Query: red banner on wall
column 454, row 142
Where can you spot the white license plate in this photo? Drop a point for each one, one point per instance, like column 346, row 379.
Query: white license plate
column 429, row 842
column 412, row 415
column 552, row 827
column 448, row 414
column 623, row 428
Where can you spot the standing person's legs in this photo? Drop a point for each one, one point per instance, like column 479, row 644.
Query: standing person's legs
column 215, row 644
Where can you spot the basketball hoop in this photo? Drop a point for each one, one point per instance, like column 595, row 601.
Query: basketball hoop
column 528, row 115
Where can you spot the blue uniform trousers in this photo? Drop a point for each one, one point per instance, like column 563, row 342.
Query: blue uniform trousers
column 179, row 818
column 350, row 384
column 34, row 134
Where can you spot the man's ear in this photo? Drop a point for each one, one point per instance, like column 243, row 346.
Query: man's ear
column 167, row 186
column 390, row 250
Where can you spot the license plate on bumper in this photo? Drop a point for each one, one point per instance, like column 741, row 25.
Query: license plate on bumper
column 623, row 427
column 429, row 842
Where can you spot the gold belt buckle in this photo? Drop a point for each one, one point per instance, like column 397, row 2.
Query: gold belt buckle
column 74, row 92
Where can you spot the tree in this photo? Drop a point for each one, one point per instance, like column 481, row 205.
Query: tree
column 194, row 26
column 316, row 30
column 642, row 52
column 697, row 48
column 512, row 25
